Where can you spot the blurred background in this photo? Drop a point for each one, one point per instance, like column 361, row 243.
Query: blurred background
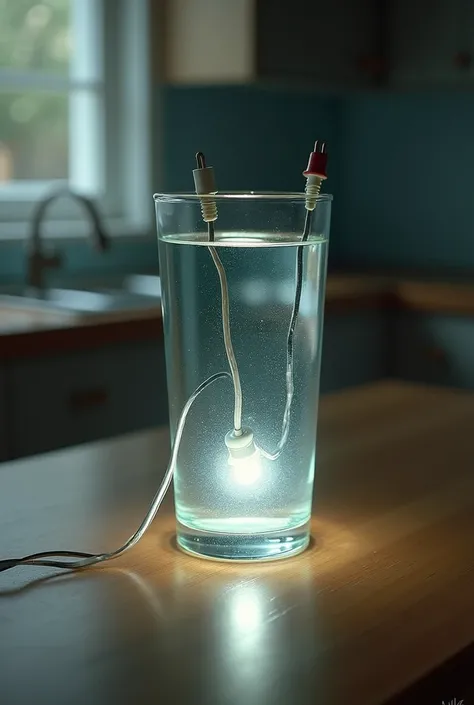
column 110, row 100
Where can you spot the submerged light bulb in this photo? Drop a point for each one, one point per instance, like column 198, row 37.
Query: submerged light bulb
column 244, row 457
column 246, row 471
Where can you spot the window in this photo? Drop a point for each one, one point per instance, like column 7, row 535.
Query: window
column 74, row 103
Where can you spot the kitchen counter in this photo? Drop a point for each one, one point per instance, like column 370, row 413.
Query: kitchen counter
column 378, row 609
column 30, row 334
column 401, row 293
column 26, row 333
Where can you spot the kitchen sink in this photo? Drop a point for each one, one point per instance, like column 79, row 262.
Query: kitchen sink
column 78, row 302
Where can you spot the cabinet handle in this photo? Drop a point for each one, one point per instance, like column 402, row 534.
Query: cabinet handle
column 84, row 399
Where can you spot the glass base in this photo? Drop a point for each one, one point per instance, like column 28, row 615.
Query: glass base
column 268, row 546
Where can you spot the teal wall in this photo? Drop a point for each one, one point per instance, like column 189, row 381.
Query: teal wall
column 256, row 138
column 406, row 180
column 401, row 167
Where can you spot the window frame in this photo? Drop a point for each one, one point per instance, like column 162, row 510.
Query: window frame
column 122, row 166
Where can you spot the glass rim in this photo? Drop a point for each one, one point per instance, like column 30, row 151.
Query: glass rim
column 290, row 196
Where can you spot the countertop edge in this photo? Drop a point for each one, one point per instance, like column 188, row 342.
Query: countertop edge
column 344, row 293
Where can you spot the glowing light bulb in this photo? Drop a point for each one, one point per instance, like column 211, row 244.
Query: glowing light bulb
column 244, row 457
column 246, row 471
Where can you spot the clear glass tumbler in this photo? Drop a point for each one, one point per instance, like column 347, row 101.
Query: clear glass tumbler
column 244, row 493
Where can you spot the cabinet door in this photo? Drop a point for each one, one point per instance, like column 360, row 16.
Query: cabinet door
column 326, row 42
column 354, row 349
column 426, row 41
column 209, row 41
column 65, row 400
column 436, row 349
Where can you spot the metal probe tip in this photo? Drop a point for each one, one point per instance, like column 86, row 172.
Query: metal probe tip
column 322, row 149
column 200, row 160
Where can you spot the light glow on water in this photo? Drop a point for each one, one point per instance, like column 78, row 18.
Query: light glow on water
column 243, row 239
column 246, row 471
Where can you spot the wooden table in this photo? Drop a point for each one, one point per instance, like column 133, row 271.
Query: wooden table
column 384, row 596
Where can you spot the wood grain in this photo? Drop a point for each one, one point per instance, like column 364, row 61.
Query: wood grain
column 382, row 597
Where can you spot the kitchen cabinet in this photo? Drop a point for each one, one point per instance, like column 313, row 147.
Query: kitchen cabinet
column 61, row 400
column 333, row 45
column 434, row 348
column 431, row 43
column 330, row 44
column 355, row 347
column 327, row 44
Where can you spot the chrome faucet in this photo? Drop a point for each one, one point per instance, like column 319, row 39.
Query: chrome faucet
column 37, row 260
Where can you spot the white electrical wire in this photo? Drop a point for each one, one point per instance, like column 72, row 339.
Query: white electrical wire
column 229, row 348
column 205, row 185
column 87, row 559
column 289, row 376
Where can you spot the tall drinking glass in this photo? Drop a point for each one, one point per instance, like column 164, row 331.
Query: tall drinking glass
column 244, row 494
